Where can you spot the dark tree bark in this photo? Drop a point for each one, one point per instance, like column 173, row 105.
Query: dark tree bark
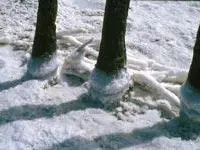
column 112, row 55
column 45, row 35
column 194, row 73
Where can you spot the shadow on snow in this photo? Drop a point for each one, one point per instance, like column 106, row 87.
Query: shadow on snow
column 11, row 84
column 173, row 128
column 30, row 112
column 170, row 129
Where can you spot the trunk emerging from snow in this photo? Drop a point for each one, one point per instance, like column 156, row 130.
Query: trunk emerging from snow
column 45, row 35
column 112, row 55
column 194, row 73
column 110, row 80
column 43, row 62
column 190, row 90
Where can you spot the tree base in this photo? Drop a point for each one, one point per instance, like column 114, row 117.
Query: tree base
column 42, row 68
column 107, row 88
column 190, row 103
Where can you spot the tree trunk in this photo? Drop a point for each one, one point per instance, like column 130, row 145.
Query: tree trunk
column 112, row 55
column 110, row 80
column 194, row 73
column 45, row 35
column 190, row 91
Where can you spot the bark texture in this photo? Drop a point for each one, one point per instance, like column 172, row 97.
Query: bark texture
column 112, row 55
column 194, row 73
column 45, row 35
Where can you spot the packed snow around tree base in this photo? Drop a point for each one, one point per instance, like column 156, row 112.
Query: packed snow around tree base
column 43, row 114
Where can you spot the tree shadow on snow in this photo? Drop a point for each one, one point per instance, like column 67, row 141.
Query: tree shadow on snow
column 170, row 129
column 72, row 81
column 11, row 84
column 30, row 112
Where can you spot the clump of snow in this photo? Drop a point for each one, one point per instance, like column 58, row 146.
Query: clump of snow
column 151, row 83
column 41, row 67
column 73, row 64
column 4, row 40
column 109, row 88
column 174, row 88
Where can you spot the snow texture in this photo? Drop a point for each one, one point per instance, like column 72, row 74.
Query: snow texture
column 37, row 115
column 73, row 64
column 109, row 88
column 190, row 101
column 42, row 67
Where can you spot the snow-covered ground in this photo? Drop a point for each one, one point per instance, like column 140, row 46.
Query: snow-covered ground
column 37, row 115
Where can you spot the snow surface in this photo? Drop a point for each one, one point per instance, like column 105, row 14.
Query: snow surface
column 35, row 114
column 109, row 89
column 40, row 68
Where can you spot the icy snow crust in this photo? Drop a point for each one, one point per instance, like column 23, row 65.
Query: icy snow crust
column 42, row 68
column 37, row 115
column 109, row 88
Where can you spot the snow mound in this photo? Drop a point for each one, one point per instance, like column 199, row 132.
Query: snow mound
column 190, row 102
column 42, row 68
column 109, row 88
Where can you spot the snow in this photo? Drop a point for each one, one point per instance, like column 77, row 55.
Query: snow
column 42, row 68
column 35, row 114
column 189, row 101
column 109, row 88
column 73, row 64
